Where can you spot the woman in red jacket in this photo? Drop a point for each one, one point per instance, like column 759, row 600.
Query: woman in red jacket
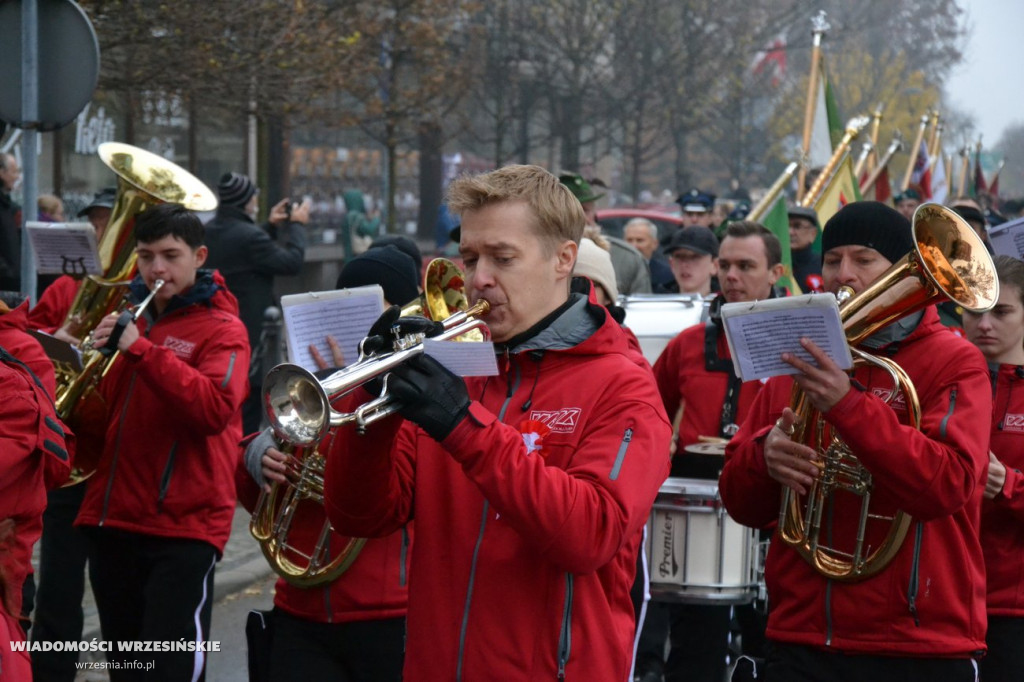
column 999, row 334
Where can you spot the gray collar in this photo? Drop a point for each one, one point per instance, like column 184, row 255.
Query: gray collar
column 569, row 329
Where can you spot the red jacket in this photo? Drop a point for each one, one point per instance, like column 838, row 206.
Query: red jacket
column 684, row 381
column 171, row 447
column 31, row 441
column 524, row 556
column 53, row 306
column 1002, row 518
column 373, row 587
column 25, row 347
column 930, row 600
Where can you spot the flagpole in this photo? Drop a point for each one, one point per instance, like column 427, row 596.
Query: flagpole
column 773, row 193
column 818, row 28
column 935, row 149
column 894, row 146
column 965, row 152
column 913, row 153
column 853, row 129
column 950, row 172
column 933, row 135
column 876, row 122
column 862, row 159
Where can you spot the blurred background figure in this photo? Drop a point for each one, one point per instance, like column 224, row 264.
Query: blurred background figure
column 10, row 225
column 51, row 209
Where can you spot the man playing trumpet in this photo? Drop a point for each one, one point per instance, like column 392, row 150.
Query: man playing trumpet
column 529, row 489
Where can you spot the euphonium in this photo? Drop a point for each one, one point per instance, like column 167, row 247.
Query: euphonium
column 949, row 261
column 301, row 416
column 144, row 179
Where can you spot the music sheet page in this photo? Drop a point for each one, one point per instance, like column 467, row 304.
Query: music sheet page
column 345, row 314
column 64, row 248
column 760, row 332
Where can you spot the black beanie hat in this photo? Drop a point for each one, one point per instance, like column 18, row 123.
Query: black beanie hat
column 871, row 224
column 235, row 189
column 387, row 266
column 405, row 245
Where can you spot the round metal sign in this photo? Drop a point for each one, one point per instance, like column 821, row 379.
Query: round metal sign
column 68, row 59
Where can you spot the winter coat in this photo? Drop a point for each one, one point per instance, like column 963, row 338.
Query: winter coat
column 171, row 446
column 249, row 256
column 528, row 515
column 930, row 600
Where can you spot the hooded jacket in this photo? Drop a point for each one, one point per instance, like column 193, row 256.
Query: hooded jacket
column 171, row 444
column 930, row 600
column 1002, row 518
column 25, row 347
column 249, row 256
column 528, row 515
column 33, row 449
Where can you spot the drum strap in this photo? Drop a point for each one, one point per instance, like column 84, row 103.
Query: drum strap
column 713, row 363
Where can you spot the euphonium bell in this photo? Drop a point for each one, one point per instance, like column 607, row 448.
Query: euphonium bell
column 949, row 261
column 301, row 416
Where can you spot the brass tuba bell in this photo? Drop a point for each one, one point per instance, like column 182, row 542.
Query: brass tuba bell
column 144, row 180
column 301, row 416
column 949, row 261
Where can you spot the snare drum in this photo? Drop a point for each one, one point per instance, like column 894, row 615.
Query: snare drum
column 696, row 552
column 656, row 319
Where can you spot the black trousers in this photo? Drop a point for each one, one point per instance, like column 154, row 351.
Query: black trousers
column 360, row 651
column 789, row 663
column 152, row 589
column 699, row 637
column 63, row 550
column 1005, row 640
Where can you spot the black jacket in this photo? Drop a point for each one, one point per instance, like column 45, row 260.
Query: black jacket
column 248, row 256
column 10, row 244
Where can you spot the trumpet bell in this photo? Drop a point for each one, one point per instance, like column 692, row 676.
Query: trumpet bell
column 297, row 404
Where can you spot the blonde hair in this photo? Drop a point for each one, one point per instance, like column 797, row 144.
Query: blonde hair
column 50, row 204
column 559, row 216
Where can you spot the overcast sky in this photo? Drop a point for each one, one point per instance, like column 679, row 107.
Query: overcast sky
column 987, row 84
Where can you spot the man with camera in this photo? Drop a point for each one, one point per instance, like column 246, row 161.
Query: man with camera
column 250, row 255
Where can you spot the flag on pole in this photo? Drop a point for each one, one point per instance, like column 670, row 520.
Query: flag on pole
column 881, row 188
column 940, row 180
column 841, row 190
column 777, row 222
column 979, row 175
column 827, row 128
column 921, row 177
column 993, row 188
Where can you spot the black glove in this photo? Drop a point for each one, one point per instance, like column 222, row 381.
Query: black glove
column 380, row 336
column 430, row 395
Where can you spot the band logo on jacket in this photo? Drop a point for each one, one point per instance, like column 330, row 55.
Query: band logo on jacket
column 1013, row 423
column 182, row 348
column 898, row 403
column 559, row 421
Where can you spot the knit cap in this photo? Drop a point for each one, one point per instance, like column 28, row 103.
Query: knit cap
column 871, row 224
column 594, row 262
column 235, row 189
column 393, row 270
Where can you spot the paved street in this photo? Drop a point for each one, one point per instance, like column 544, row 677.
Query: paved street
column 243, row 581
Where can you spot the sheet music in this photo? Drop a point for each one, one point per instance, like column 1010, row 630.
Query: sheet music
column 1008, row 238
column 65, row 248
column 59, row 351
column 760, row 332
column 464, row 358
column 345, row 314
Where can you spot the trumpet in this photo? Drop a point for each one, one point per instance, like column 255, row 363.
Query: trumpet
column 298, row 405
column 301, row 416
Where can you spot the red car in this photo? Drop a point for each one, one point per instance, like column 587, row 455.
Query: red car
column 613, row 220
